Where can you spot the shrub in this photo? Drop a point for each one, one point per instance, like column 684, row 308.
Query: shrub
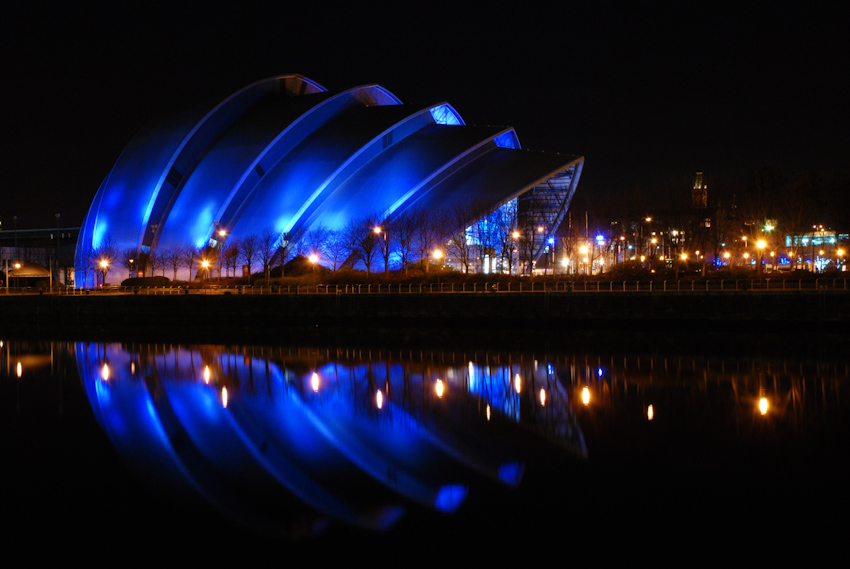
column 146, row 281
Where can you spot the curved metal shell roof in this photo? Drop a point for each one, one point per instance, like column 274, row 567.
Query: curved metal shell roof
column 284, row 153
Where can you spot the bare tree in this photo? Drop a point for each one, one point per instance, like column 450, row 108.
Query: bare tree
column 286, row 248
column 459, row 242
column 190, row 257
column 430, row 232
column 249, row 249
column 404, row 232
column 161, row 262
column 362, row 240
column 172, row 256
column 267, row 248
column 102, row 258
column 221, row 257
column 384, row 239
column 336, row 249
column 128, row 260
column 152, row 261
column 231, row 256
column 796, row 209
column 507, row 233
column 315, row 242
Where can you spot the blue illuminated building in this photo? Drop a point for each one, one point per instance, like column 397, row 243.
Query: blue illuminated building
column 287, row 154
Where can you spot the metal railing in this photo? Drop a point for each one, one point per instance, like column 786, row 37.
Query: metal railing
column 529, row 287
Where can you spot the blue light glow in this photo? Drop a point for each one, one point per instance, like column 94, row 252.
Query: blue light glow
column 507, row 140
column 99, row 234
column 511, row 473
column 263, row 158
column 446, row 115
column 450, row 497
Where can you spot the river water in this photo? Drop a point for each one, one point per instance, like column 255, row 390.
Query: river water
column 140, row 451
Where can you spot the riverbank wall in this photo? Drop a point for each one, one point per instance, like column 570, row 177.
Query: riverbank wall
column 794, row 313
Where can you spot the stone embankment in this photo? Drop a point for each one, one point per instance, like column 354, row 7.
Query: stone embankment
column 236, row 316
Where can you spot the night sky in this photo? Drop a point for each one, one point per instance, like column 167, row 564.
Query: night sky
column 644, row 91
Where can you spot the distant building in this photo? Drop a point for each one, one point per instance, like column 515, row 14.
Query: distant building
column 42, row 247
column 699, row 195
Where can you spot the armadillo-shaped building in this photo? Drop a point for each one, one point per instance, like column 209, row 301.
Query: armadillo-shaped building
column 285, row 153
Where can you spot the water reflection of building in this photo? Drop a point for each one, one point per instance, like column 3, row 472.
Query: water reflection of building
column 716, row 398
column 25, row 358
column 356, row 439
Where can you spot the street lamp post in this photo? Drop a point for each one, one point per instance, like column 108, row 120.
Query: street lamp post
column 313, row 260
column 206, row 266
column 57, row 253
column 438, row 256
column 583, row 251
column 514, row 248
column 386, row 247
column 760, row 245
column 104, row 267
